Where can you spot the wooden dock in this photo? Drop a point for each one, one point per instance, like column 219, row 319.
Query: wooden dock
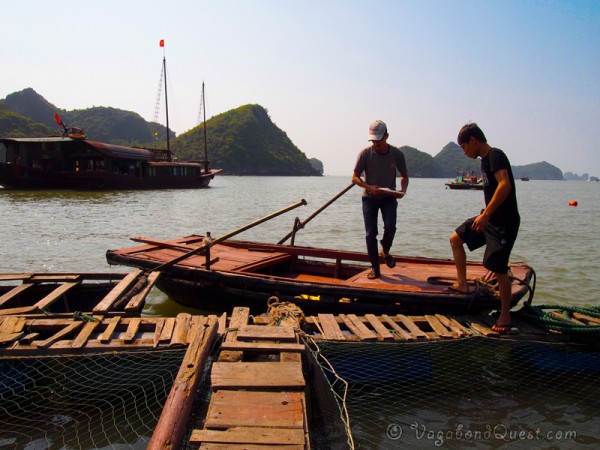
column 257, row 385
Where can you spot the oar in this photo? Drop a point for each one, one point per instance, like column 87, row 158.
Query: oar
column 228, row 235
column 313, row 215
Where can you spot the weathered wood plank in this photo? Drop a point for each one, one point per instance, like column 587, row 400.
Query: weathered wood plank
column 250, row 435
column 12, row 324
column 167, row 331
column 14, row 292
column 115, row 292
column 182, row 326
column 139, row 298
column 110, row 328
column 225, row 375
column 331, row 329
column 229, row 409
column 263, row 346
column 411, row 326
column 438, row 327
column 266, row 332
column 58, row 336
column 399, row 334
column 85, row 333
column 56, row 294
column 382, row 332
column 239, row 318
column 363, row 332
column 132, row 329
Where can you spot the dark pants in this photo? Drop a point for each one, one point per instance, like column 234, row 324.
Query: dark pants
column 371, row 207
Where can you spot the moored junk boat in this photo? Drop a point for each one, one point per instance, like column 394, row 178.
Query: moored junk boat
column 243, row 273
column 74, row 163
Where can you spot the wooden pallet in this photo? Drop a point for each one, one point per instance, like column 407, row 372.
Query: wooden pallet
column 258, row 386
column 390, row 328
column 33, row 337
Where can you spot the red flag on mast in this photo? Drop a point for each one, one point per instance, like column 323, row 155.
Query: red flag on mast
column 58, row 121
column 162, row 42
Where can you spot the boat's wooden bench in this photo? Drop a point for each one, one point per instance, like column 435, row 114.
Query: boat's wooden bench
column 271, row 260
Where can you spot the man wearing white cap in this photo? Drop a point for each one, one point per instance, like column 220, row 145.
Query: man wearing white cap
column 379, row 163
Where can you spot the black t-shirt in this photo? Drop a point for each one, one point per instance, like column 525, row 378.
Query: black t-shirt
column 507, row 212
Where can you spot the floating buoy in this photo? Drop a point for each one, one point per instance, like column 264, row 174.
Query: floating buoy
column 573, row 203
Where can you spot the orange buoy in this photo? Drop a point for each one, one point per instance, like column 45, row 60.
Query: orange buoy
column 573, row 203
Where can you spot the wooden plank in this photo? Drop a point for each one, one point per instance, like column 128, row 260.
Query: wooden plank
column 160, row 323
column 412, row 327
column 132, row 329
column 197, row 325
column 56, row 294
column 250, row 435
column 12, row 324
column 216, row 446
column 167, row 331
column 229, row 409
column 57, row 336
column 85, row 334
column 115, row 292
column 14, row 292
column 399, row 334
column 237, row 375
column 239, row 318
column 112, row 325
column 480, row 327
column 15, row 276
column 263, row 346
column 438, row 327
column 138, row 299
column 587, row 318
column 266, row 332
column 331, row 330
column 382, row 332
column 363, row 332
column 182, row 326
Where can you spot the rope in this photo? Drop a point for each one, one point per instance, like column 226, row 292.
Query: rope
column 78, row 315
column 284, row 312
column 565, row 323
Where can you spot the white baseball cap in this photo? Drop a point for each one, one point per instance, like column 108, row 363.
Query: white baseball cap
column 377, row 130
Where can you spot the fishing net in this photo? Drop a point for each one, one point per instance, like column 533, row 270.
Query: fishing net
column 472, row 392
column 104, row 400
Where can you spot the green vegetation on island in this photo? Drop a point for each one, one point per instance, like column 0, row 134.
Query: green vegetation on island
column 242, row 141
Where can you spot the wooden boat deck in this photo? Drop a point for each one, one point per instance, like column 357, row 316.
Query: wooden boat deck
column 410, row 275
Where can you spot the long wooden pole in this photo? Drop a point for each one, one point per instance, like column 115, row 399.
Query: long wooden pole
column 228, row 235
column 313, row 215
column 170, row 429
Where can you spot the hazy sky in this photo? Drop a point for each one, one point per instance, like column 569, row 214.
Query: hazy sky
column 527, row 71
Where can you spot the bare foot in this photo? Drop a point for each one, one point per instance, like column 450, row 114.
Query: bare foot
column 460, row 288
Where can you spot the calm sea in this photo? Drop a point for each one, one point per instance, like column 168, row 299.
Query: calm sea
column 71, row 231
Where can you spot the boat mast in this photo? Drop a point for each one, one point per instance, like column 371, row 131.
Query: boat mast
column 205, row 140
column 166, row 100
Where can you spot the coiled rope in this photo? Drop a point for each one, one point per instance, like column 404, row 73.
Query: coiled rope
column 562, row 319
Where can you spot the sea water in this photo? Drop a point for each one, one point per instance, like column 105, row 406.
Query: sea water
column 71, row 231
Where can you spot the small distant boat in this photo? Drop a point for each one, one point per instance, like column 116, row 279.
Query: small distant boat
column 243, row 273
column 594, row 179
column 524, row 178
column 466, row 180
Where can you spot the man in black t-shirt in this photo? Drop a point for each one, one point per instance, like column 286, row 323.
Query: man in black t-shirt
column 496, row 226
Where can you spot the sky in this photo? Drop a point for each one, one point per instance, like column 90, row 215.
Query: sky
column 528, row 72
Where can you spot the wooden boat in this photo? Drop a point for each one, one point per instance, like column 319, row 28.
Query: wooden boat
column 56, row 294
column 466, row 180
column 71, row 161
column 243, row 273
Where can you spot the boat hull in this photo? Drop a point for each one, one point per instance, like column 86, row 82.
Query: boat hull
column 318, row 280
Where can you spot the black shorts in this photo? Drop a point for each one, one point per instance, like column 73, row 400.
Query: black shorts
column 498, row 241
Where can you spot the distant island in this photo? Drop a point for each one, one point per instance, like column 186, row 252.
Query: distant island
column 242, row 141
